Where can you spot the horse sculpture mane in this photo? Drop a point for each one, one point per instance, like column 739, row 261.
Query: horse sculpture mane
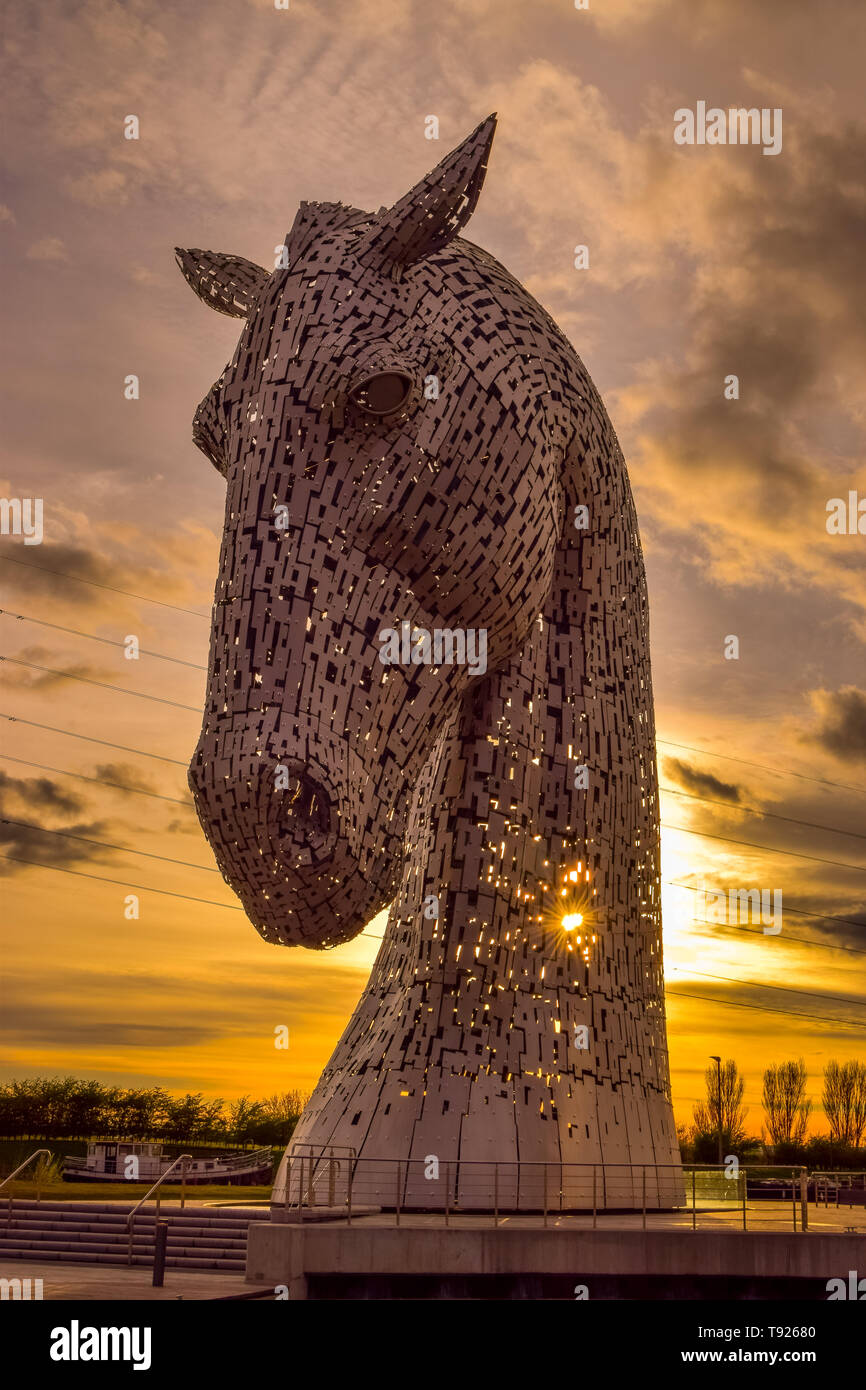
column 416, row 457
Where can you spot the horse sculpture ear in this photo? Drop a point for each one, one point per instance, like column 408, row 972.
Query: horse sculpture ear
column 434, row 211
column 229, row 284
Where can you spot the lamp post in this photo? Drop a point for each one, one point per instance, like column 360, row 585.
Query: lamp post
column 718, row 1062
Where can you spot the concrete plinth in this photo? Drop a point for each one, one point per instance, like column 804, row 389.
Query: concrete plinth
column 291, row 1255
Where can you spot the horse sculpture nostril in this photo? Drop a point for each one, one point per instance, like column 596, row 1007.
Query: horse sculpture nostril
column 305, row 822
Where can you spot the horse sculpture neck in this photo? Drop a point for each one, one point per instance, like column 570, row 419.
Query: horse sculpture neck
column 487, row 1030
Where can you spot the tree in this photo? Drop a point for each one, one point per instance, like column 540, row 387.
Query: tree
column 844, row 1100
column 786, row 1105
column 733, row 1114
column 187, row 1119
column 244, row 1117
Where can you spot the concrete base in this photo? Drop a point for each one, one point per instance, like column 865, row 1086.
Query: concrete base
column 290, row 1255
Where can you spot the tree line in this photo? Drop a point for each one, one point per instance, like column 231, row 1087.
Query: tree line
column 69, row 1108
column 787, row 1107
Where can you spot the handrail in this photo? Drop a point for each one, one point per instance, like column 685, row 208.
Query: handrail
column 184, row 1159
column 35, row 1154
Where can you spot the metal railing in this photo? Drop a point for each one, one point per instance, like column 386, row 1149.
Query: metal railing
column 183, row 1160
column 830, row 1184
column 499, row 1190
column 19, row 1169
column 310, row 1166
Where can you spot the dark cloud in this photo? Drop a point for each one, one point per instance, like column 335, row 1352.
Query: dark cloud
column 842, row 729
column 184, row 827
column 123, row 775
column 40, row 793
column 40, row 845
column 45, row 574
column 60, row 1026
column 834, row 924
column 692, row 779
column 106, row 581
column 785, row 311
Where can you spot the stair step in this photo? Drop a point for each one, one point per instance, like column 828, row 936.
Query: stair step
column 199, row 1237
column 43, row 1241
column 172, row 1261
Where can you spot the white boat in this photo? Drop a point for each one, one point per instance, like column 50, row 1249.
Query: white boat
column 120, row 1161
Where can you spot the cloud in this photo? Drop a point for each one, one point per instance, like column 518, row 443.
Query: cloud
column 744, row 482
column 16, row 677
column 46, row 574
column 50, row 248
column 66, row 1026
column 40, row 794
column 6, row 214
column 842, row 728
column 692, row 779
column 147, row 565
column 100, row 188
column 39, row 845
column 124, row 775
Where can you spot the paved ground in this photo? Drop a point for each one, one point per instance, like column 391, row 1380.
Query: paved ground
column 110, row 1283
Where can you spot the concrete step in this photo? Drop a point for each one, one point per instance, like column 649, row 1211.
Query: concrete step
column 93, row 1239
column 199, row 1237
column 104, row 1248
column 52, row 1222
column 171, row 1261
column 124, row 1208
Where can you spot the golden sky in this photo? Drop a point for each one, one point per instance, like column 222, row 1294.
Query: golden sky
column 704, row 261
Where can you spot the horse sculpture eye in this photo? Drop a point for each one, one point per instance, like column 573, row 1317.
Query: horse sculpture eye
column 383, row 393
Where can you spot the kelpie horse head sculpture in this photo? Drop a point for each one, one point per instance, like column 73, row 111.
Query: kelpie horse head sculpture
column 419, row 471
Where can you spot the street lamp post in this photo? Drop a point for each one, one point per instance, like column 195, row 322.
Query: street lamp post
column 718, row 1062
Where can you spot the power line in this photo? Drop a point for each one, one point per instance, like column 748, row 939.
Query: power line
column 799, row 911
column 103, row 844
column 119, row 883
column 785, row 989
column 99, row 781
column 103, row 685
column 92, row 637
column 87, row 738
column 140, row 887
column 780, row 772
column 770, row 849
column 59, row 574
column 803, row 940
column 762, row 1008
column 756, row 811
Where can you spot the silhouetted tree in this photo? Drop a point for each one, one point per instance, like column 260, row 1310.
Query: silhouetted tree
column 786, row 1105
column 844, row 1100
column 733, row 1113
